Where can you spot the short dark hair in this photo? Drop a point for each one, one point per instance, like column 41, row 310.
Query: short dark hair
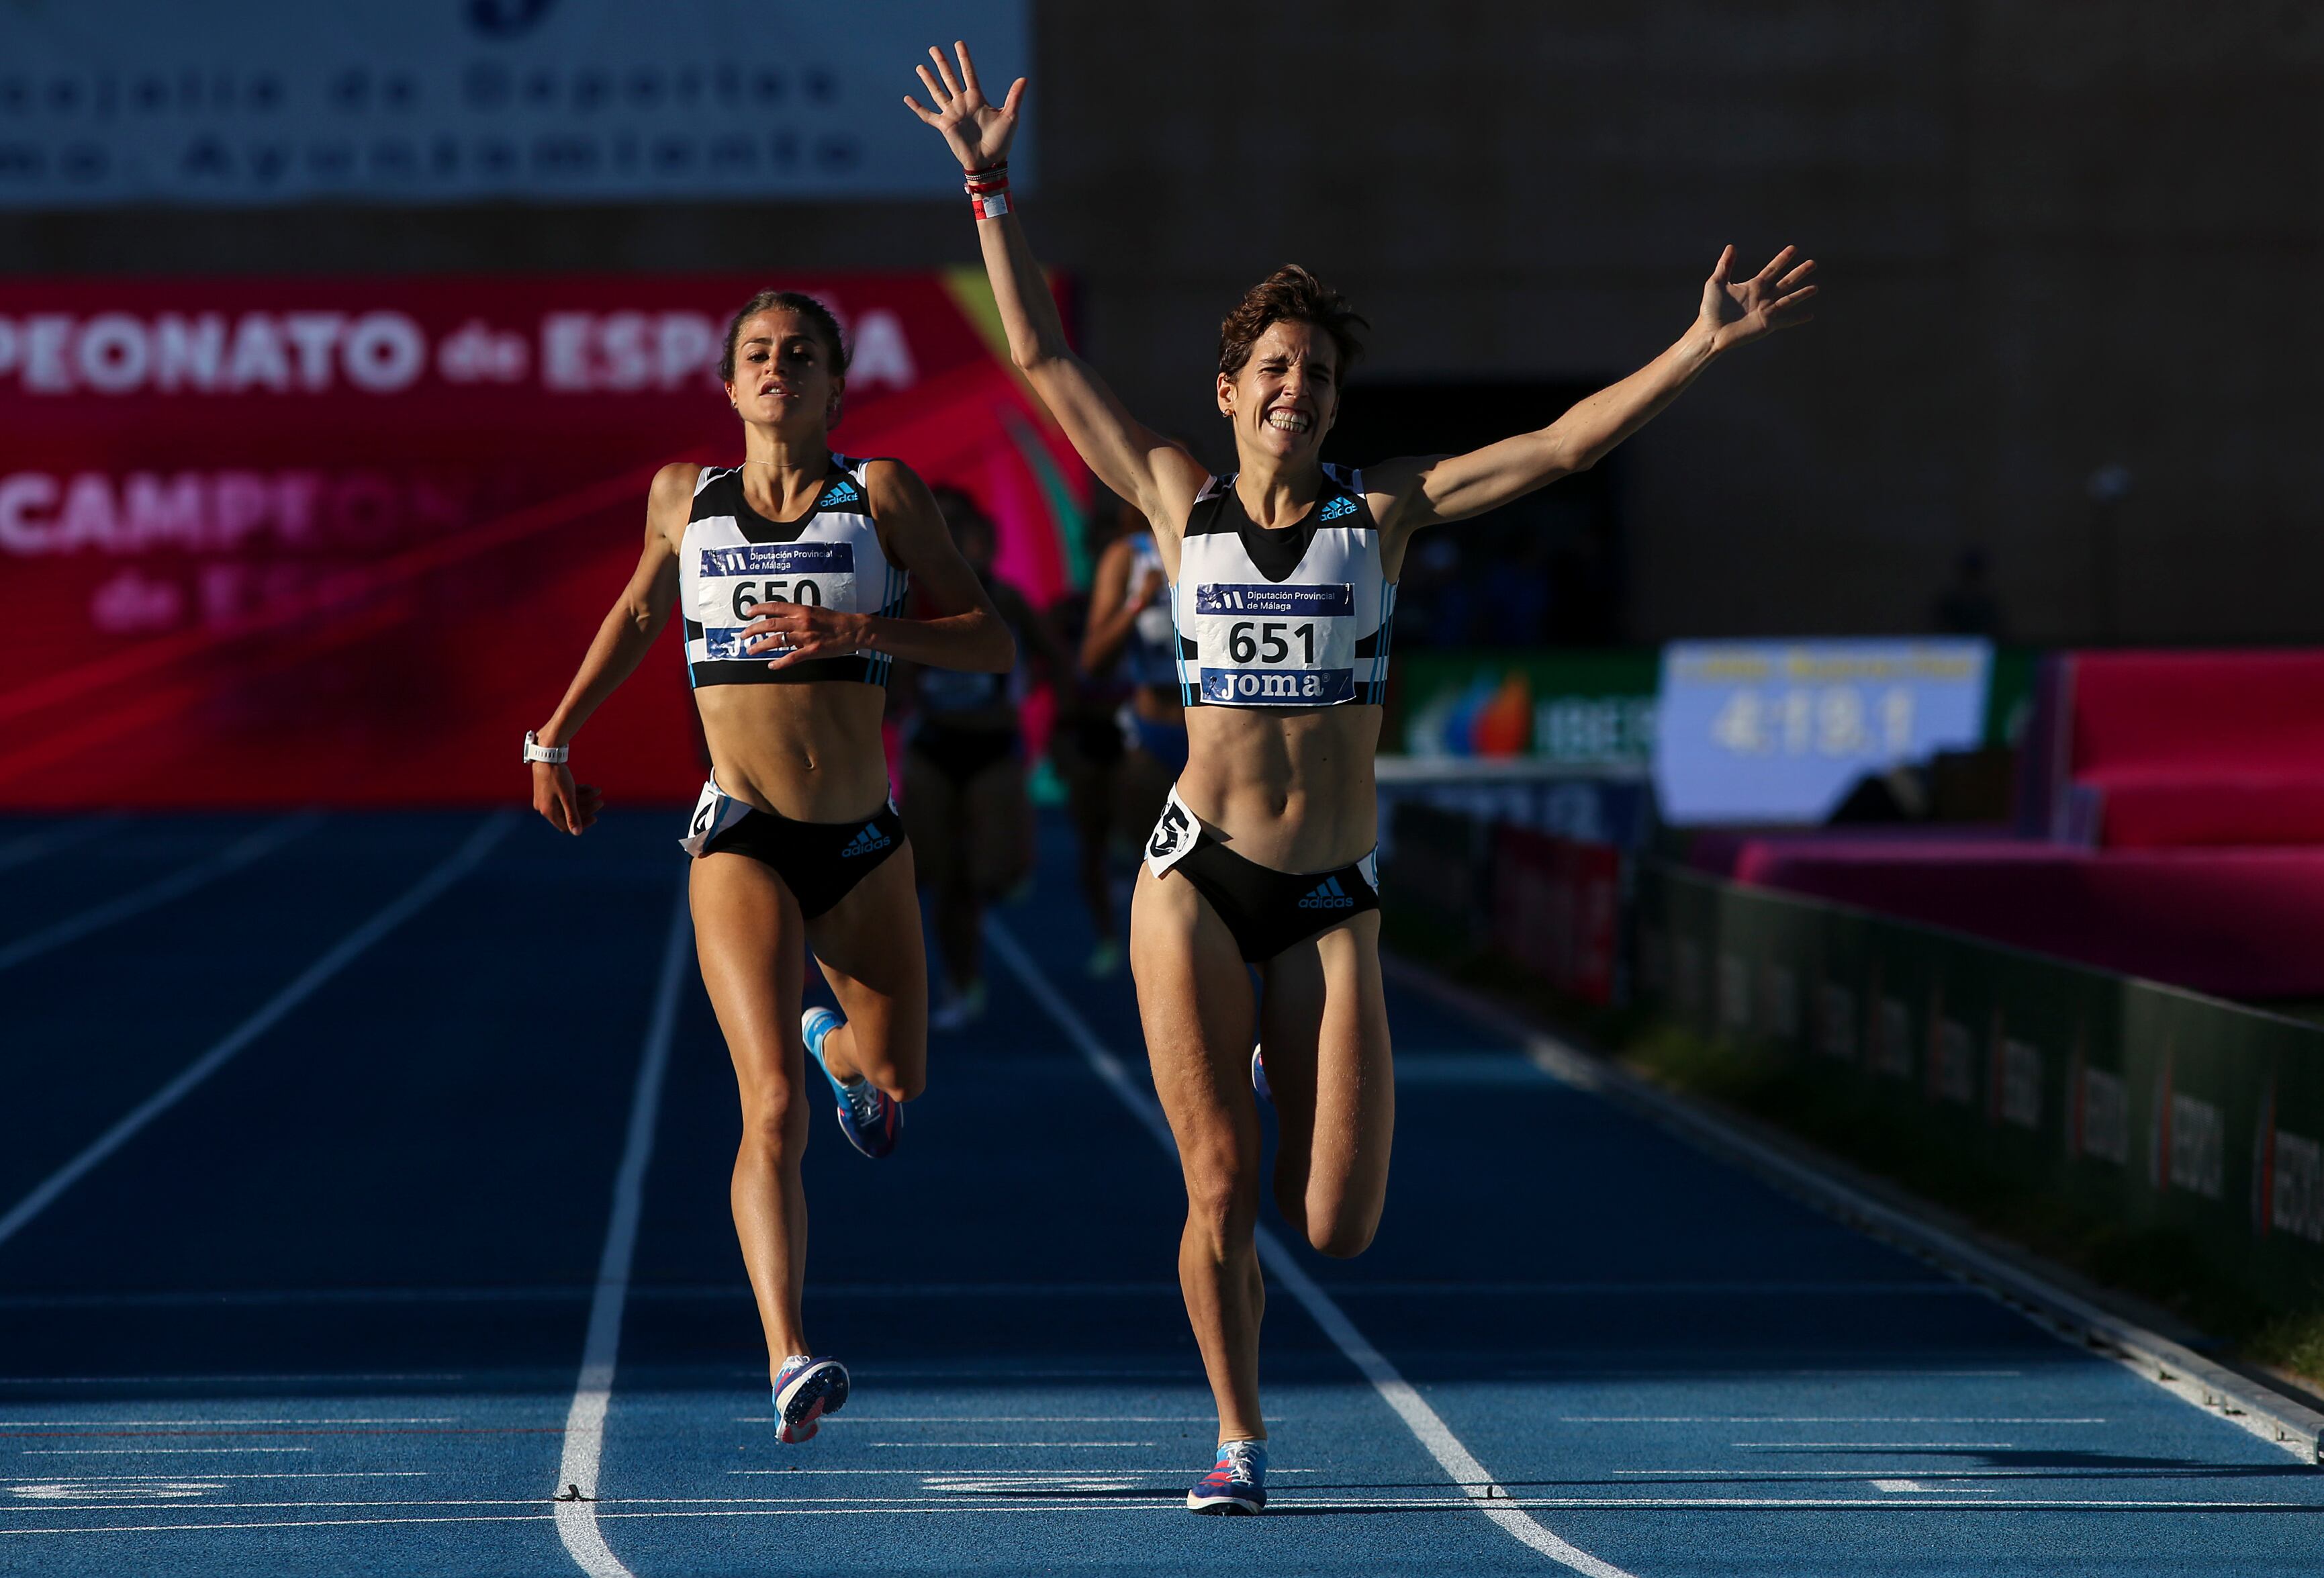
column 826, row 327
column 1289, row 295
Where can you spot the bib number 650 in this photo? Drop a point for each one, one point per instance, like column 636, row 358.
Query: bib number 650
column 1270, row 641
column 780, row 589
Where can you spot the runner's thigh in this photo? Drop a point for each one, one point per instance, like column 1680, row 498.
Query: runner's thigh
column 869, row 946
column 1323, row 1023
column 748, row 935
column 1195, row 1000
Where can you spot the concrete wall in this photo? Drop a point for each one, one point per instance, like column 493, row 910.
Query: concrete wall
column 2056, row 237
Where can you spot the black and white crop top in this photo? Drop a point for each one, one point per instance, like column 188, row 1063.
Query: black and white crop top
column 731, row 558
column 1294, row 617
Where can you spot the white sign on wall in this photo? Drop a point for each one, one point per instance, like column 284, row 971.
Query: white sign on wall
column 1778, row 731
column 110, row 102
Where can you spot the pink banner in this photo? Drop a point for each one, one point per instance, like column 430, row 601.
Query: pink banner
column 269, row 541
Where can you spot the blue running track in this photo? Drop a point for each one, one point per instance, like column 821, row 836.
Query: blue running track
column 309, row 1149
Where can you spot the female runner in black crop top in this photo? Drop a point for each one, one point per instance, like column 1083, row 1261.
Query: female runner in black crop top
column 1262, row 859
column 795, row 838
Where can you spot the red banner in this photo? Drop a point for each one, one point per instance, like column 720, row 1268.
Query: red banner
column 342, row 540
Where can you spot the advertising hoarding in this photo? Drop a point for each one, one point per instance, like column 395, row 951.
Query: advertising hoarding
column 342, row 540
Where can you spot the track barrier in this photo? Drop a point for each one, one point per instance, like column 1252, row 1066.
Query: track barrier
column 2142, row 1104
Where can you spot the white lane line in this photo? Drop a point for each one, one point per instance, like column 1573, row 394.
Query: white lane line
column 916, row 1445
column 1875, row 1446
column 177, row 885
column 147, row 1451
column 1809, row 1420
column 1167, row 1508
column 735, row 1293
column 1918, row 1288
column 585, row 1424
column 907, row 1472
column 1914, row 1487
column 152, row 1380
column 991, row 1419
column 24, row 851
column 228, row 1474
column 1790, row 1474
column 1409, row 1406
column 35, row 1426
column 349, row 948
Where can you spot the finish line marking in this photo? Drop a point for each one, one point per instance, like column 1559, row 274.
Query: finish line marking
column 585, row 1424
column 1480, row 1488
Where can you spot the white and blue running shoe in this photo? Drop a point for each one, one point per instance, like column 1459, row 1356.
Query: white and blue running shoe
column 807, row 1390
column 1258, row 1075
column 872, row 1120
column 1237, row 1486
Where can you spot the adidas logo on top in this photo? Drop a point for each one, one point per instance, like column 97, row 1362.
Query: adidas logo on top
column 1335, row 508
column 869, row 840
column 1328, row 895
column 842, row 492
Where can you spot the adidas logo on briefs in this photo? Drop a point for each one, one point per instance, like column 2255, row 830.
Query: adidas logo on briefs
column 867, row 842
column 1336, row 507
column 1328, row 895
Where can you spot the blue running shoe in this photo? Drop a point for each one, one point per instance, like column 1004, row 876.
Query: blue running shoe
column 871, row 1120
column 804, row 1391
column 1237, row 1486
column 1258, row 1075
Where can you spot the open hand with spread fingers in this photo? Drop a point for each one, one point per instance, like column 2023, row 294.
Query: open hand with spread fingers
column 977, row 132
column 793, row 632
column 1768, row 300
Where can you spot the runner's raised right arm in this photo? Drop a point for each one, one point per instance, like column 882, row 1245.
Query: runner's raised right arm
column 1149, row 470
column 623, row 637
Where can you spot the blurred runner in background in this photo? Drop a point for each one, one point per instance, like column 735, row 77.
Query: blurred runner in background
column 964, row 803
column 1087, row 750
column 1130, row 624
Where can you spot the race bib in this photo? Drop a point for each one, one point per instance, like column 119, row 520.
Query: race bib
column 732, row 579
column 1267, row 645
column 1174, row 837
column 714, row 811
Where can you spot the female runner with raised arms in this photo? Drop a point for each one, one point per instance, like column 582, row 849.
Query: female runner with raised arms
column 790, row 572
column 1283, row 579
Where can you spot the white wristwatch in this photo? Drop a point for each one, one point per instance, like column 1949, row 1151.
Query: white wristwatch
column 534, row 751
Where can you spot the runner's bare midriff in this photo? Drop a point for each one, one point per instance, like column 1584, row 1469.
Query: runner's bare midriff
column 1290, row 789
column 811, row 753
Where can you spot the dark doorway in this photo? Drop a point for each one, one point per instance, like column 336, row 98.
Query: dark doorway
column 1543, row 571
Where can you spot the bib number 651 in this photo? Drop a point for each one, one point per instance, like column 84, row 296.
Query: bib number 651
column 1270, row 641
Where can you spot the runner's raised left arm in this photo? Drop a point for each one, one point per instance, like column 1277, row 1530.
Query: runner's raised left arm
column 1426, row 489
